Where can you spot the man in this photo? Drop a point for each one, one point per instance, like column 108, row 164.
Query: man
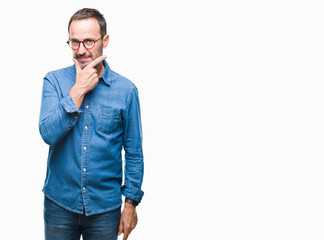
column 88, row 114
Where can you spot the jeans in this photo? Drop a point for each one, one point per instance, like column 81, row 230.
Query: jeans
column 61, row 224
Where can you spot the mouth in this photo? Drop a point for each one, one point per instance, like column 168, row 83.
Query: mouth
column 83, row 59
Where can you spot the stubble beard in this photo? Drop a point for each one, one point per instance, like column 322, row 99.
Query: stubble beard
column 88, row 54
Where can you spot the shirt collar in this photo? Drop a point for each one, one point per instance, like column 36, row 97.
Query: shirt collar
column 106, row 76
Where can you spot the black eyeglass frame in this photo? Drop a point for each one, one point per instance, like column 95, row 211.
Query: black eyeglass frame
column 94, row 43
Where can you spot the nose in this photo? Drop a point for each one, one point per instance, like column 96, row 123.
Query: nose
column 82, row 50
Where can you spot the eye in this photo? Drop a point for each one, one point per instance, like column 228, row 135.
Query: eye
column 88, row 41
column 74, row 42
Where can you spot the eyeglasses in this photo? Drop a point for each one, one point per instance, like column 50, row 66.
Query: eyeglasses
column 87, row 43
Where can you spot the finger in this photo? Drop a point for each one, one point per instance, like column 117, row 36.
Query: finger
column 94, row 75
column 96, row 61
column 127, row 231
column 77, row 65
column 94, row 79
column 94, row 83
column 125, row 236
column 121, row 228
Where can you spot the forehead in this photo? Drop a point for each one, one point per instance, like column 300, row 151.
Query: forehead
column 85, row 28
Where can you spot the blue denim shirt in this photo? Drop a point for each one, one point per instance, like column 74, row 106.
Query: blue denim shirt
column 84, row 166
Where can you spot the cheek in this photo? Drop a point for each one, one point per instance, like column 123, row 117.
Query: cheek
column 95, row 54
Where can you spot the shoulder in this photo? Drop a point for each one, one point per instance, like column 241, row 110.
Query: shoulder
column 122, row 82
column 61, row 73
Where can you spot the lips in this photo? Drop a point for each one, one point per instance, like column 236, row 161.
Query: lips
column 83, row 58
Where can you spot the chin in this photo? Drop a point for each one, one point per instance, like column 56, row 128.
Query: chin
column 83, row 64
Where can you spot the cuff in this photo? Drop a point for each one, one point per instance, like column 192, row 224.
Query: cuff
column 132, row 192
column 68, row 105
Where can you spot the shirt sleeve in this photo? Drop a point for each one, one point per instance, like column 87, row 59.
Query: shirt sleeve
column 57, row 116
column 132, row 139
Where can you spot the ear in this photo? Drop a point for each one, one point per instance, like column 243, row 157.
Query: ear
column 105, row 41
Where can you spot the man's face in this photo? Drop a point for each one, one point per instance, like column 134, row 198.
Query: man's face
column 87, row 29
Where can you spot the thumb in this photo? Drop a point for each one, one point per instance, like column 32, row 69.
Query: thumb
column 77, row 65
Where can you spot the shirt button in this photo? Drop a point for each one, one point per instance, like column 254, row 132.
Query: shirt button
column 85, row 148
column 84, row 188
column 76, row 117
column 86, row 127
column 87, row 107
column 84, row 169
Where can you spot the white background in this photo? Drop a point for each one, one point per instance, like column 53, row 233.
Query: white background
column 232, row 106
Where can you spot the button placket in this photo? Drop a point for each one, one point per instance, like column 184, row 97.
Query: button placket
column 85, row 150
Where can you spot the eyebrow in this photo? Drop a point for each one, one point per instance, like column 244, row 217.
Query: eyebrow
column 74, row 39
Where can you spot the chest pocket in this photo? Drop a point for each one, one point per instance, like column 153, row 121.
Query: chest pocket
column 109, row 119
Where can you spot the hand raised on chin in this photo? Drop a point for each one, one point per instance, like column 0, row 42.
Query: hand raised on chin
column 86, row 80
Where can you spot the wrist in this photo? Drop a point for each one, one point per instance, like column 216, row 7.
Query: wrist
column 77, row 96
column 131, row 202
column 129, row 206
column 77, row 91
